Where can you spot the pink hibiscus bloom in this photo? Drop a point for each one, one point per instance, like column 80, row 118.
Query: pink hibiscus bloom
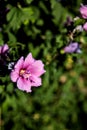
column 83, row 11
column 27, row 73
column 4, row 48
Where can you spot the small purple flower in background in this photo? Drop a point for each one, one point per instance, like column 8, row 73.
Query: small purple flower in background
column 83, row 11
column 85, row 26
column 73, row 47
column 68, row 22
column 27, row 73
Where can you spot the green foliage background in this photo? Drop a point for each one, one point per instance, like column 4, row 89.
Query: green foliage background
column 36, row 26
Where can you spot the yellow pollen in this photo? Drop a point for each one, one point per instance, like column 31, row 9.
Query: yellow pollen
column 22, row 72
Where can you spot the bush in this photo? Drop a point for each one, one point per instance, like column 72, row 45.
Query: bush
column 39, row 27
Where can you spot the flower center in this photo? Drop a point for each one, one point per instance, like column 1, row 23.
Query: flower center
column 22, row 72
column 25, row 74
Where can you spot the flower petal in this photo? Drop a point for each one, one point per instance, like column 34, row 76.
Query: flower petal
column 24, row 84
column 14, row 76
column 83, row 11
column 37, row 68
column 28, row 60
column 35, row 81
column 19, row 63
column 5, row 48
column 71, row 48
column 85, row 26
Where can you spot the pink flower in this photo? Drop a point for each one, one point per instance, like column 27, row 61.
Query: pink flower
column 4, row 48
column 83, row 11
column 27, row 73
column 85, row 26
